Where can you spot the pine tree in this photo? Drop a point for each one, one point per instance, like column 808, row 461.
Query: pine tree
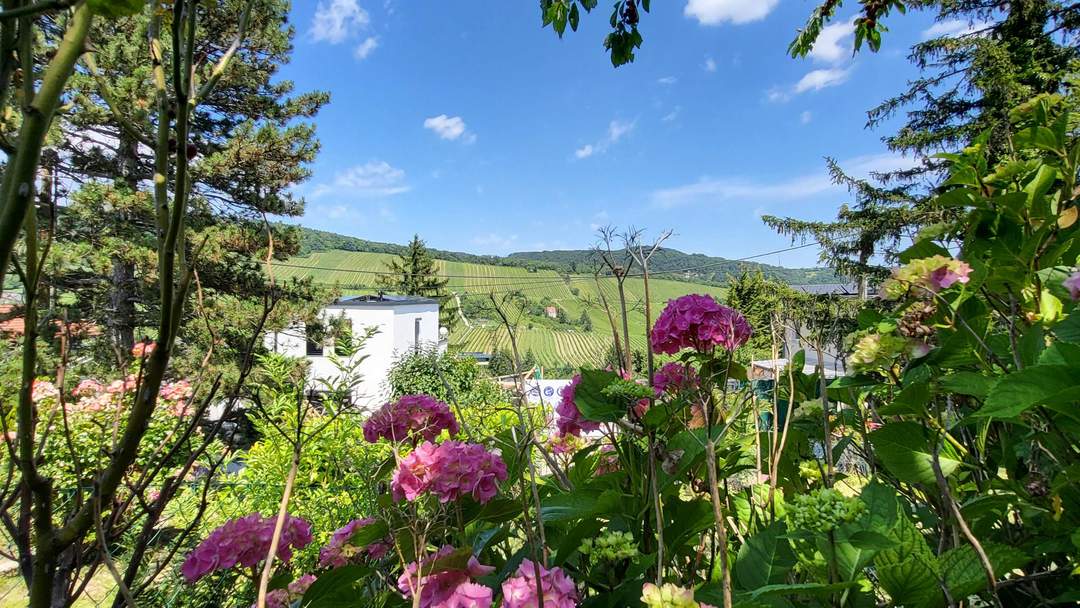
column 414, row 273
column 251, row 142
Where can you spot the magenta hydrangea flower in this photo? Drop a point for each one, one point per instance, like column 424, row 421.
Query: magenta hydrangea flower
column 339, row 552
column 449, row 470
column 244, row 542
column 569, row 419
column 1073, row 285
column 700, row 323
column 520, row 591
column 300, row 586
column 448, row 588
column 283, row 598
column 674, row 377
column 412, row 417
column 278, row 598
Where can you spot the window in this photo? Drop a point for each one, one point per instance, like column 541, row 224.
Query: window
column 314, row 342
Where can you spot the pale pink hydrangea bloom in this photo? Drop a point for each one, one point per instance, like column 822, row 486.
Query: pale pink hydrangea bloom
column 449, row 588
column 126, row 385
column 1073, row 285
column 143, row 349
column 88, row 387
column 338, row 552
column 244, row 542
column 698, row 322
column 175, row 395
column 674, row 377
column 41, row 390
column 520, row 591
column 569, row 419
column 449, row 470
column 412, row 417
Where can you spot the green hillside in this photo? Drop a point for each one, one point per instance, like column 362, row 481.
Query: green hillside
column 552, row 342
column 674, row 264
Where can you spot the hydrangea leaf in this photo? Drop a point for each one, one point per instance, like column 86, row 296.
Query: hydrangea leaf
column 590, row 399
column 1016, row 393
column 904, row 449
column 116, row 8
column 765, row 558
column 337, row 588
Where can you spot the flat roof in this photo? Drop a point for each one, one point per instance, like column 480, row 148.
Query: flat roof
column 380, row 301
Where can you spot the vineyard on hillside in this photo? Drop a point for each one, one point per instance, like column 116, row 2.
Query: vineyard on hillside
column 356, row 272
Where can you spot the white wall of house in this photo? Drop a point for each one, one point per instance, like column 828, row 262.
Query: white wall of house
column 403, row 324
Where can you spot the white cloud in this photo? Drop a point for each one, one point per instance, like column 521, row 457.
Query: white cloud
column 953, row 27
column 834, row 44
column 450, row 128
column 806, row 117
column 739, row 189
column 337, row 20
column 494, row 241
column 667, row 80
column 672, row 115
column 715, row 12
column 366, row 47
column 373, row 179
column 710, row 64
column 617, row 129
column 820, row 79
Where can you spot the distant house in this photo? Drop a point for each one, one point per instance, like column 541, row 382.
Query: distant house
column 404, row 323
column 552, row 312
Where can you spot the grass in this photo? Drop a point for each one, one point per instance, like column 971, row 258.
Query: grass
column 355, row 272
column 98, row 593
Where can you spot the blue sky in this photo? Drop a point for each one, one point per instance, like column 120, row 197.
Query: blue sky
column 467, row 123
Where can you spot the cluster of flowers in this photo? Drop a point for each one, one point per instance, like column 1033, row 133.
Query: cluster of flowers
column 823, row 510
column 143, row 349
column 412, row 417
column 876, row 351
column 612, row 547
column 449, row 470
column 570, row 421
column 1072, row 283
column 520, row 591
column 698, row 322
column 244, row 542
column 669, row 596
column 674, row 377
column 283, row 598
column 340, row 551
column 453, row 588
column 926, row 276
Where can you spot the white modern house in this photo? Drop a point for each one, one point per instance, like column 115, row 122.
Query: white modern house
column 404, row 324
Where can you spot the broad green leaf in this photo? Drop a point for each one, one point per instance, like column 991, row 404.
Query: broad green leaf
column 338, row 588
column 968, row 383
column 923, row 249
column 1069, row 329
column 908, row 572
column 370, row 533
column 964, row 573
column 881, row 507
column 458, row 559
column 568, row 544
column 590, row 399
column 765, row 558
column 1049, row 385
column 912, row 399
column 579, row 505
column 904, row 449
column 1060, row 353
column 813, row 589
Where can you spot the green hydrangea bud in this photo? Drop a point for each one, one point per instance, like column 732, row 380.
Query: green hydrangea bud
column 823, row 510
column 667, row 596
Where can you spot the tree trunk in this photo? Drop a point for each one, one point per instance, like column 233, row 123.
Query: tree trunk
column 122, row 296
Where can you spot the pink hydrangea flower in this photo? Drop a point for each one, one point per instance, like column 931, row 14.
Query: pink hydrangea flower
column 300, row 586
column 175, row 396
column 520, row 591
column 948, row 275
column 448, row 588
column 411, row 417
column 449, row 470
column 674, row 377
column 143, row 349
column 41, row 390
column 1073, row 285
column 88, row 387
column 700, row 323
column 570, row 421
column 339, row 552
column 278, row 598
column 244, row 542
